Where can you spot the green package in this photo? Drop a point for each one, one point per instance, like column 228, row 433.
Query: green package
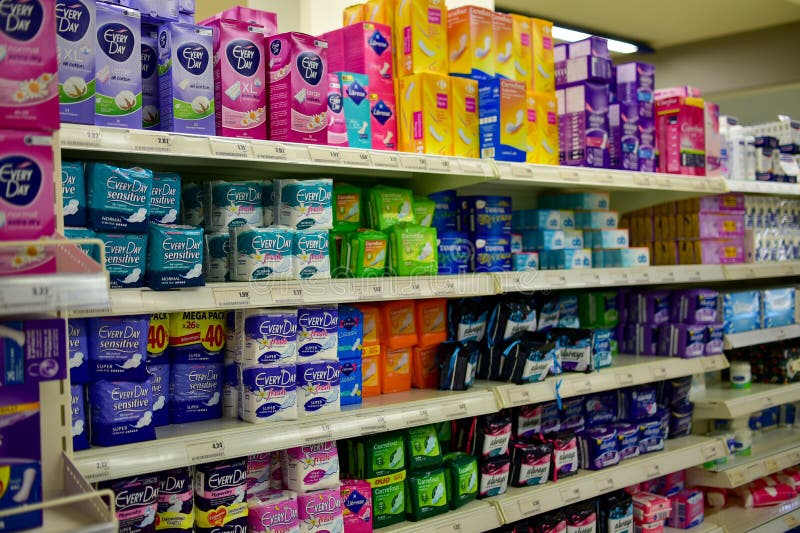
column 426, row 494
column 462, row 478
column 598, row 309
column 388, row 504
column 347, row 212
column 444, row 431
column 389, row 206
column 335, row 249
column 380, row 455
column 422, row 448
column 423, row 210
column 365, row 253
column 413, row 250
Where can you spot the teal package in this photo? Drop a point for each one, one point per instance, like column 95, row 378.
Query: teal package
column 126, row 258
column 355, row 89
column 84, row 233
column 118, row 198
column 165, row 200
column 350, row 381
column 174, row 257
column 193, row 211
column 73, row 193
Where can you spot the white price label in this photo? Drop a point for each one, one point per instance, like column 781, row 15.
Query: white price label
column 324, row 155
column 794, row 458
column 99, row 469
column 738, row 478
column 771, row 465
column 643, row 180
column 529, row 507
column 625, row 378
column 521, row 171
column 641, row 277
column 606, row 178
column 370, row 291
column 667, row 277
column 317, row 433
column 147, row 141
column 768, row 401
column 375, row 424
column 356, row 158
column 519, row 397
column 440, row 164
column 699, row 184
column 621, row 277
column 583, row 386
column 286, row 292
column 451, row 527
column 605, row 485
column 417, row 418
column 709, row 452
column 385, row 160
column 24, row 296
column 755, row 471
column 471, row 167
column 653, row 471
column 590, row 278
column 270, row 151
column 203, row 452
column 232, row 297
column 660, row 372
column 559, row 280
column 456, row 410
column 570, row 495
column 414, row 162
column 81, row 137
column 695, row 275
column 664, row 182
column 239, row 149
column 710, row 364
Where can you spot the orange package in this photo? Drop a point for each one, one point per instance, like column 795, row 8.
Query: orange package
column 425, row 367
column 370, row 345
column 371, row 377
column 397, row 328
column 395, row 370
column 431, row 324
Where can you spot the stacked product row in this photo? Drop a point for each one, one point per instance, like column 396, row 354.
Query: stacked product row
column 763, row 152
column 772, row 228
column 776, row 363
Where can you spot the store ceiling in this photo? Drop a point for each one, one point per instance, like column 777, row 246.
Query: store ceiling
column 661, row 24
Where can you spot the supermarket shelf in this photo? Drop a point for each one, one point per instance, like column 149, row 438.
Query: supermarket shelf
column 721, row 401
column 475, row 517
column 705, row 527
column 764, row 187
column 627, row 370
column 771, row 452
column 747, row 271
column 277, row 293
column 202, row 442
column 77, row 281
column 761, row 336
column 681, row 453
column 776, row 519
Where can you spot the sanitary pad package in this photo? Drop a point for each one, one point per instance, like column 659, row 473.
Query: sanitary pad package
column 118, row 348
column 268, row 393
column 304, row 204
column 126, row 258
column 118, row 198
column 175, row 257
column 318, row 388
column 76, row 26
column 261, row 253
column 122, row 412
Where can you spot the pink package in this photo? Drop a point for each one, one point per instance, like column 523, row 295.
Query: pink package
column 337, row 127
column 721, row 251
column 259, row 472
column 383, row 111
column 28, row 66
column 27, row 192
column 268, row 21
column 650, row 527
column 320, row 511
column 272, row 511
column 687, row 509
column 721, row 203
column 671, row 484
column 298, row 89
column 680, row 136
column 647, row 503
column 681, row 92
column 369, row 51
column 335, row 55
column 791, row 477
column 239, row 73
column 755, row 496
column 713, row 140
column 357, row 506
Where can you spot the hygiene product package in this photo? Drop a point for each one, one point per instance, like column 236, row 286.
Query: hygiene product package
column 220, row 495
column 304, row 204
column 464, row 107
column 197, row 336
column 79, row 422
column 348, row 207
column 383, row 109
column 76, row 31
column 423, row 26
column 151, row 117
column 261, row 253
column 364, row 253
column 312, row 467
column 269, row 337
column 174, row 257
column 268, row 393
column 310, row 254
column 357, row 506
column 121, row 412
column 78, row 338
column 165, row 198
column 118, row 348
column 136, row 502
column 317, row 334
column 425, row 114
column 388, row 206
column 118, row 198
column 159, row 378
column 176, row 500
column 73, row 193
column 426, row 494
column 471, row 43
column 503, row 123
column 355, row 92
column 413, row 250
column 318, row 386
column 320, row 511
column 232, row 204
column 195, row 392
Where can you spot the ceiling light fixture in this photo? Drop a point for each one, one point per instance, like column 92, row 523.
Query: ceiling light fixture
column 570, row 36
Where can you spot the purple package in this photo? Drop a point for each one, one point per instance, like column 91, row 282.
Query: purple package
column 721, row 203
column 651, row 436
column 592, row 46
column 583, row 124
column 625, row 298
column 681, row 340
column 671, row 484
column 628, row 438
column 78, row 351
column 614, row 136
column 528, row 421
column 637, row 136
column 33, row 351
column 122, row 412
column 572, row 414
column 494, row 476
column 680, row 420
column 118, row 348
column 136, row 502
column 636, row 83
column 599, row 448
column 654, row 307
column 645, row 338
column 317, row 334
column 551, row 422
column 159, row 374
column 560, row 52
column 175, row 499
column 494, row 435
column 80, row 429
column 696, row 306
column 580, row 69
column 715, row 336
column 565, row 455
column 640, row 402
column 601, row 408
column 676, row 391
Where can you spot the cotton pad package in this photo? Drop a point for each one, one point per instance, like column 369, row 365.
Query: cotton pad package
column 312, row 467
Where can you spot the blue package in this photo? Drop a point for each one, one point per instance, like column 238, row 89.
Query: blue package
column 78, row 338
column 533, row 240
column 596, row 219
column 118, row 348
column 73, row 192
column 628, row 437
column 351, row 381
column 572, row 415
column 84, row 233
column 599, row 447
column 118, row 198
column 777, row 307
column 770, row 417
column 317, row 333
column 159, row 377
column 492, row 254
column 522, row 261
column 573, row 239
column 551, row 421
column 640, row 402
column 174, row 257
column 486, row 215
column 445, row 214
column 651, row 436
column 565, row 259
column 126, row 258
column 165, row 198
column 269, row 337
column 351, row 332
column 607, row 239
column 80, row 429
column 741, row 311
column 215, row 259
column 601, row 408
column 15, row 475
column 195, row 392
column 601, row 348
column 455, row 252
column 122, row 412
column 193, row 211
column 319, row 387
column 491, row 123
column 355, row 90
column 467, row 319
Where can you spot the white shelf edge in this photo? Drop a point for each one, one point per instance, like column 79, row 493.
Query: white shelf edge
column 761, row 336
column 777, row 519
column 721, row 401
column 772, row 452
column 627, row 370
column 202, row 442
column 521, row 503
column 705, row 527
column 475, row 517
column 764, row 187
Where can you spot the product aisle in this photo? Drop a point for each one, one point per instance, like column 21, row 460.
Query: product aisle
column 431, row 270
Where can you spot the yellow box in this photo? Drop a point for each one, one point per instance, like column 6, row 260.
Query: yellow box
column 523, row 51
column 379, row 12
column 466, row 125
column 426, row 123
column 532, row 144
column 353, row 15
column 470, row 38
column 547, row 121
column 421, row 30
column 503, row 31
column 544, row 70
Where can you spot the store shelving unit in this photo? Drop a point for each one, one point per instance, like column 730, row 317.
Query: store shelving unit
column 761, row 336
column 777, row 519
column 720, row 401
column 771, row 452
column 765, row 187
column 705, row 527
column 520, row 503
column 475, row 517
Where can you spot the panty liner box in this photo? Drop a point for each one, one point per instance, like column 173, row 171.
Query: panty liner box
column 583, row 124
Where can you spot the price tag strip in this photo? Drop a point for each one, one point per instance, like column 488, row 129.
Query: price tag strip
column 148, row 141
column 233, row 297
column 231, row 149
column 205, row 451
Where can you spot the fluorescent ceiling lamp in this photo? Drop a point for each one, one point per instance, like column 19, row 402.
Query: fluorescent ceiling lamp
column 570, row 36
